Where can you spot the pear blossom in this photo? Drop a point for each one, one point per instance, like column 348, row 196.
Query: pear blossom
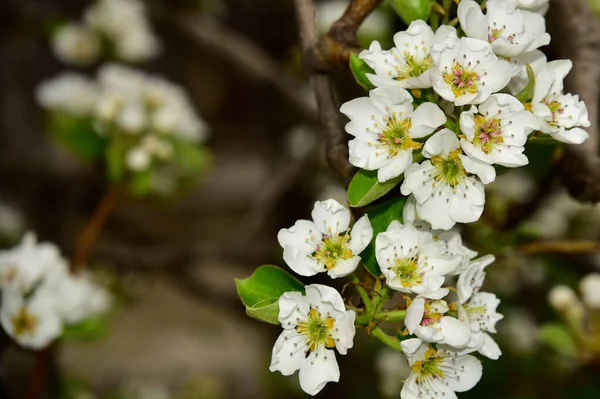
column 562, row 116
column 537, row 6
column 437, row 373
column 24, row 266
column 427, row 318
column 480, row 312
column 411, row 261
column 444, row 191
column 76, row 44
column 471, row 280
column 385, row 128
column 325, row 244
column 536, row 59
column 151, row 147
column 70, row 93
column 466, row 71
column 510, row 30
column 496, row 131
column 589, row 287
column 407, row 64
column 562, row 297
column 33, row 322
column 313, row 325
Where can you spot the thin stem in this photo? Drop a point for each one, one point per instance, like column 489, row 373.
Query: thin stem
column 363, row 294
column 36, row 381
column 392, row 342
column 392, row 316
column 558, row 247
column 88, row 235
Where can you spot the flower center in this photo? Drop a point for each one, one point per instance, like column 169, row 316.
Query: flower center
column 317, row 330
column 429, row 367
column 395, row 136
column 487, row 133
column 331, row 249
column 430, row 316
column 449, row 169
column 413, row 67
column 406, row 272
column 24, row 322
column 462, row 81
column 494, row 34
column 556, row 108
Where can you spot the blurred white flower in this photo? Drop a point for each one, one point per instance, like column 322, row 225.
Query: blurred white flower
column 12, row 221
column 589, row 287
column 69, row 93
column 312, row 326
column 76, row 44
column 519, row 330
column 562, row 297
column 392, row 369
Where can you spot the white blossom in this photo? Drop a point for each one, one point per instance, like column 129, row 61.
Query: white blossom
column 562, row 297
column 466, row 71
column 561, row 115
column 537, row 6
column 76, row 44
column 313, row 326
column 427, row 319
column 385, row 128
column 411, row 260
column 471, row 280
column 444, row 191
column 33, row 322
column 69, row 93
column 510, row 30
column 407, row 64
column 325, row 244
column 437, row 373
column 535, row 59
column 589, row 287
column 496, row 132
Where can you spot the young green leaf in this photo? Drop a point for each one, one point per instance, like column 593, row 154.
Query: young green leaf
column 411, row 10
column 261, row 291
column 360, row 69
column 77, row 135
column 526, row 94
column 558, row 337
column 381, row 216
column 88, row 330
column 365, row 188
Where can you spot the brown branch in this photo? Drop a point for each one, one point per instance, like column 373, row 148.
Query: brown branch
column 576, row 35
column 36, row 381
column 558, row 247
column 90, row 232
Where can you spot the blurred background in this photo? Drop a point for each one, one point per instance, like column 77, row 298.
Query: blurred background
column 178, row 329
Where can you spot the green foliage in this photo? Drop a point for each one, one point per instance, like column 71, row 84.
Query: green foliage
column 411, row 10
column 360, row 69
column 527, row 93
column 261, row 291
column 381, row 216
column 91, row 329
column 365, row 188
column 558, row 337
column 77, row 135
column 190, row 158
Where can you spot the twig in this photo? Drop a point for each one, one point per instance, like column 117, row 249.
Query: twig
column 558, row 247
column 88, row 235
column 36, row 382
column 386, row 339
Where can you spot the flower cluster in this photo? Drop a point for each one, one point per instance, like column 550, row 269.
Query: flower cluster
column 40, row 295
column 143, row 117
column 121, row 26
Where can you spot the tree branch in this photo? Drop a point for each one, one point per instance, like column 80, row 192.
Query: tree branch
column 558, row 247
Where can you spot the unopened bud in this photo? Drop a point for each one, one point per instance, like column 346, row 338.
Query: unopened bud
column 590, row 290
column 562, row 297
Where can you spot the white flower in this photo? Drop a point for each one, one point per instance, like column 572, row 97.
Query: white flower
column 561, row 115
column 408, row 64
column 480, row 312
column 537, row 6
column 76, row 44
column 496, row 132
column 411, row 260
column 137, row 45
column 70, row 93
column 313, row 325
column 466, row 71
column 471, row 280
column 438, row 373
column 445, row 194
column 33, row 322
column 325, row 244
column 537, row 61
column 24, row 266
column 132, row 118
column 510, row 30
column 385, row 126
column 590, row 290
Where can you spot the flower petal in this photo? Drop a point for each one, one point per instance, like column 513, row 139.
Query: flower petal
column 361, row 235
column 289, row 352
column 319, row 368
column 330, row 217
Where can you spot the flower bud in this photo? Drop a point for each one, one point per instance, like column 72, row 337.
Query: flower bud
column 562, row 297
column 590, row 290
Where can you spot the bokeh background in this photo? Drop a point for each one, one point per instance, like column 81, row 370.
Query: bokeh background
column 178, row 330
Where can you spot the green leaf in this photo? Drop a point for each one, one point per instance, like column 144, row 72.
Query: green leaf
column 411, row 10
column 140, row 183
column 381, row 216
column 360, row 69
column 190, row 157
column 558, row 337
column 261, row 291
column 88, row 330
column 365, row 188
column 77, row 135
column 526, row 94
column 115, row 157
